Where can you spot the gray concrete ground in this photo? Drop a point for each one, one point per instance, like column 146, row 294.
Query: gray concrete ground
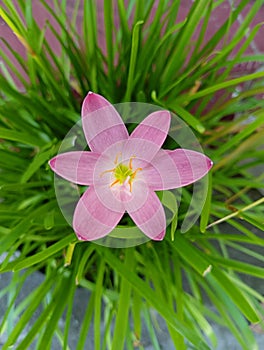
column 225, row 339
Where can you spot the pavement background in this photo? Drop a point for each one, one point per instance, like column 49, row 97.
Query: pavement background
column 226, row 341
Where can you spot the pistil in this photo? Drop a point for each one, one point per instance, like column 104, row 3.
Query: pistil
column 123, row 173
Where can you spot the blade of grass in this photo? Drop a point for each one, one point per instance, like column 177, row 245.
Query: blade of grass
column 123, row 305
column 205, row 214
column 90, row 39
column 220, row 86
column 86, row 323
column 45, row 254
column 202, row 265
column 239, row 266
column 39, row 293
column 98, row 304
column 18, row 136
column 109, row 24
column 145, row 291
column 133, row 59
column 177, row 58
column 60, row 299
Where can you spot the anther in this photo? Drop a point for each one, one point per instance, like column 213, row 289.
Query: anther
column 117, row 156
column 130, row 162
column 107, row 171
column 114, row 183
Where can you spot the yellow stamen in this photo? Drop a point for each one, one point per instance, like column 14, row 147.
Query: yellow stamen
column 130, row 162
column 130, row 185
column 117, row 156
column 135, row 172
column 114, row 183
column 132, row 178
column 107, row 171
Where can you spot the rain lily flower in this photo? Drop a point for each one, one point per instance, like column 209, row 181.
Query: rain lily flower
column 123, row 171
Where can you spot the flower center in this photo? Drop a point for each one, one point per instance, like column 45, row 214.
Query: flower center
column 124, row 174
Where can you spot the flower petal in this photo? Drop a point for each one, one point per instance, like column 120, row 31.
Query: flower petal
column 141, row 150
column 77, row 167
column 139, row 196
column 153, row 128
column 150, row 218
column 178, row 168
column 92, row 220
column 102, row 124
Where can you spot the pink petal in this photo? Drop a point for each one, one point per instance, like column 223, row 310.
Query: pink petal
column 77, row 167
column 139, row 196
column 153, row 128
column 92, row 220
column 109, row 199
column 178, row 168
column 150, row 218
column 102, row 124
column 142, row 151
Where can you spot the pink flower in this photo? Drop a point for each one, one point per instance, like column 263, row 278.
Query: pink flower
column 123, row 171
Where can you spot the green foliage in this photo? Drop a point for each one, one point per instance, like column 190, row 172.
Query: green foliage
column 147, row 57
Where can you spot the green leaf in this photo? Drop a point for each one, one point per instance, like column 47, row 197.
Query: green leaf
column 98, row 304
column 145, row 291
column 86, row 323
column 238, row 266
column 41, row 158
column 60, row 299
column 133, row 58
column 21, row 137
column 123, row 305
column 202, row 321
column 203, row 266
column 45, row 254
column 220, row 86
column 39, row 294
column 237, row 296
column 207, row 205
column 177, row 58
column 187, row 117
